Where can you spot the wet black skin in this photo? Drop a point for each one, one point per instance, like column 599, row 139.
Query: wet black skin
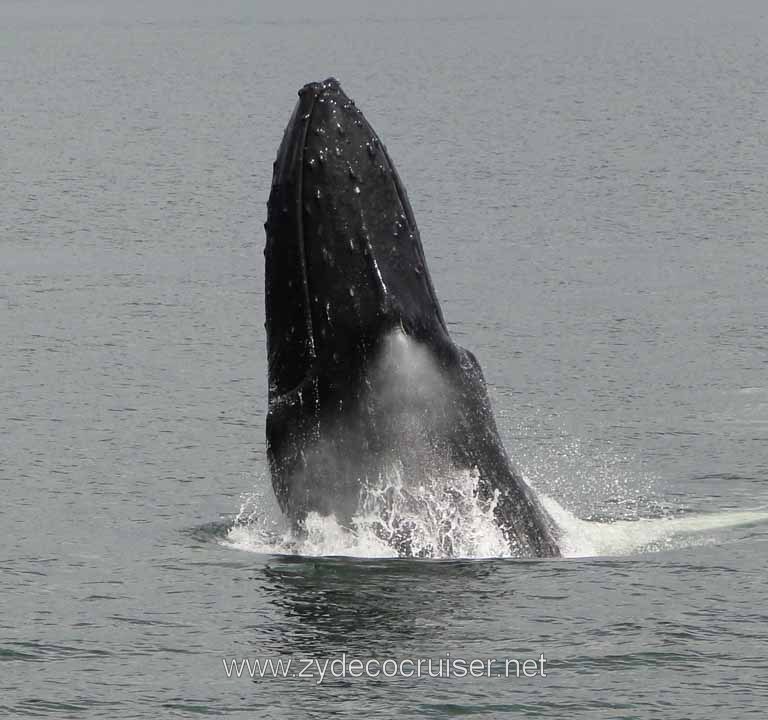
column 344, row 269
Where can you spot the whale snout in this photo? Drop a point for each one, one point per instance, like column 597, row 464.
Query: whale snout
column 344, row 257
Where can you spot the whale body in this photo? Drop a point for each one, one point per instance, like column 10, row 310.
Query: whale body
column 363, row 374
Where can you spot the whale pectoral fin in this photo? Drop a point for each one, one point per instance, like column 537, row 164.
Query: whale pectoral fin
column 522, row 518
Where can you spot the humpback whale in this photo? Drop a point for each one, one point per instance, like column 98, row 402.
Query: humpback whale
column 363, row 373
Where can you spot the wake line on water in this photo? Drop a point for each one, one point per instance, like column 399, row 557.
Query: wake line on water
column 445, row 520
column 585, row 538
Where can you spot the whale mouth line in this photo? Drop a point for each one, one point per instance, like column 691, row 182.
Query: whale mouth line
column 302, row 243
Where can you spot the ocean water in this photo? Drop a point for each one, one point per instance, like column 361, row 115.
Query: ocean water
column 590, row 183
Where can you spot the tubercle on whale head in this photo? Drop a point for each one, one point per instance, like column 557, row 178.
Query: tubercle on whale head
column 344, row 260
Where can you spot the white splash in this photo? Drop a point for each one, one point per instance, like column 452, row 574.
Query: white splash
column 440, row 518
column 443, row 518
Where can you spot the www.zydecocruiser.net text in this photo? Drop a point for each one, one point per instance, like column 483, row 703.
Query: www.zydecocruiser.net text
column 321, row 669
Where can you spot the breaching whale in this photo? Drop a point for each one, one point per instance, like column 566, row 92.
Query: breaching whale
column 362, row 371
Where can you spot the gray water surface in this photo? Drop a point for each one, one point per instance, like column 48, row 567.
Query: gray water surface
column 591, row 184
